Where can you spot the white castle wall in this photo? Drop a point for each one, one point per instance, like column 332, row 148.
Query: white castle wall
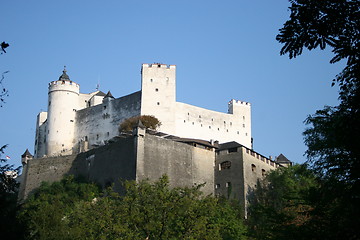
column 196, row 122
column 40, row 135
column 97, row 124
column 76, row 122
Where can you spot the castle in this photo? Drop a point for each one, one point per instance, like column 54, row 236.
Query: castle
column 79, row 135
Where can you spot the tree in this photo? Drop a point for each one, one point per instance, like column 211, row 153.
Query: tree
column 332, row 139
column 3, row 90
column 147, row 211
column 44, row 214
column 281, row 206
column 147, row 120
column 8, row 198
column 333, row 134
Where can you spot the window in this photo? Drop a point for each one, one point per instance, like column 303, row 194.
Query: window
column 217, row 186
column 156, row 89
column 97, row 136
column 209, row 127
column 158, row 103
column 263, row 172
column 228, row 184
column 108, row 134
column 253, row 168
column 237, row 132
column 71, row 120
column 243, row 125
column 184, row 121
column 104, row 107
column 225, row 165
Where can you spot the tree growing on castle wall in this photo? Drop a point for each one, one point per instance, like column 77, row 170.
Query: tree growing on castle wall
column 147, row 211
column 147, row 120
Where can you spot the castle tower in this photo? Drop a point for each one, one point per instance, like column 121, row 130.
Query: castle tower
column 158, row 94
column 242, row 110
column 62, row 107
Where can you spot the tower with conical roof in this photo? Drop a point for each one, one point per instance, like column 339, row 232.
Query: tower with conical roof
column 62, row 106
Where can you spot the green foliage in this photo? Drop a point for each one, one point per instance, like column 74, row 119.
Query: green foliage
column 333, row 136
column 9, row 227
column 147, row 120
column 148, row 211
column 44, row 213
column 281, row 206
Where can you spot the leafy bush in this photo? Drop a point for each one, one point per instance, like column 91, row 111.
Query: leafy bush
column 147, row 120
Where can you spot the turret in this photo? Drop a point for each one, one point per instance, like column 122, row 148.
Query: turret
column 26, row 157
column 62, row 107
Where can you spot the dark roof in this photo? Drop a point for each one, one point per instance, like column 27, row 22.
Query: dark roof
column 228, row 145
column 64, row 76
column 179, row 139
column 197, row 141
column 26, row 154
column 100, row 93
column 108, row 95
column 282, row 159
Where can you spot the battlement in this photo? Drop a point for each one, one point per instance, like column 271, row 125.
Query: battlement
column 158, row 65
column 64, row 85
column 238, row 102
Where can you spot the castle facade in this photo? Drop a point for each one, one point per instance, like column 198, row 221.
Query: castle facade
column 76, row 122
column 79, row 135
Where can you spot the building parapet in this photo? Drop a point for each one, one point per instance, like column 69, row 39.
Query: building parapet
column 238, row 102
column 158, row 65
column 63, row 82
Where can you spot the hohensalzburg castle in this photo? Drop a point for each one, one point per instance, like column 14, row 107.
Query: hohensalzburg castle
column 79, row 134
column 76, row 122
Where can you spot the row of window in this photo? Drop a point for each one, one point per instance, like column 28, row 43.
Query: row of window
column 227, row 165
column 227, row 185
column 153, row 80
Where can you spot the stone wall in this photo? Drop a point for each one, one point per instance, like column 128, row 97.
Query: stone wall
column 185, row 165
column 105, row 165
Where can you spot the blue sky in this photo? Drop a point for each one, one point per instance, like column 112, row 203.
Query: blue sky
column 223, row 50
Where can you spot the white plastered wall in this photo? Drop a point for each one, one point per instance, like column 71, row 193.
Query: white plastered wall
column 63, row 104
column 196, row 122
column 158, row 86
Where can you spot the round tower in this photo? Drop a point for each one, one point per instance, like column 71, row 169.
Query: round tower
column 62, row 106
